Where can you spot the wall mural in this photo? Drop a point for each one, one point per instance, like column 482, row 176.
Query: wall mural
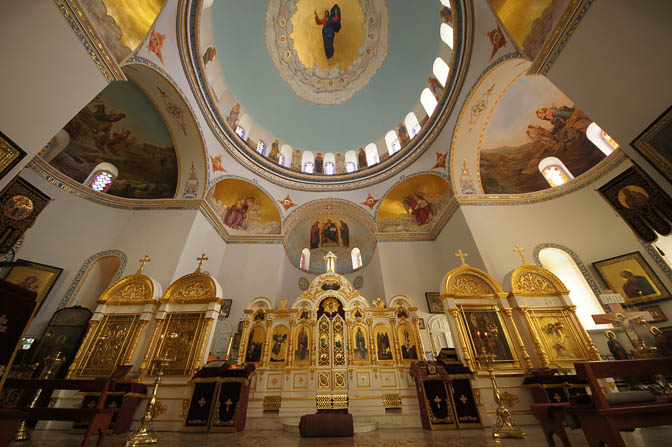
column 532, row 121
column 529, row 22
column 244, row 208
column 414, row 204
column 121, row 126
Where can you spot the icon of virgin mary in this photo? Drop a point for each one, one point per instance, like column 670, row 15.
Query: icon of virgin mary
column 331, row 24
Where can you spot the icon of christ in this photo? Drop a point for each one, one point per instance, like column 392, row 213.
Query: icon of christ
column 331, row 24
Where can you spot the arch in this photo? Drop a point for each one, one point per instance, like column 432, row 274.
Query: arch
column 563, row 265
column 220, row 337
column 467, row 281
column 372, row 156
column 304, row 262
column 531, row 280
column 356, row 257
column 285, row 155
column 329, row 163
column 554, row 171
column 428, row 101
column 101, row 177
column 446, row 32
column 601, row 139
column 94, row 276
column 412, row 124
column 307, row 162
column 440, row 333
column 350, row 161
column 392, row 142
column 441, row 70
column 445, row 3
column 401, row 300
column 54, row 146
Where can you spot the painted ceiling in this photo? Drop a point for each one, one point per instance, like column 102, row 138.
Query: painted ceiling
column 391, row 93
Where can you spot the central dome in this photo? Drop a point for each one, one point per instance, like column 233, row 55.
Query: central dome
column 329, row 56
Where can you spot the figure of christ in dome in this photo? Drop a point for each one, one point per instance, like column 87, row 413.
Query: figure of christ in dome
column 301, row 353
column 383, row 344
column 319, row 163
column 360, row 352
column 315, row 235
column 345, row 233
column 419, row 205
column 275, row 151
column 361, row 158
column 331, row 24
column 408, row 350
column 329, row 233
column 404, row 139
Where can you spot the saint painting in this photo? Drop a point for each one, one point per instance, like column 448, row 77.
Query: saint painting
column 485, row 338
column 331, row 24
column 636, row 285
column 301, row 352
column 254, row 346
column 279, row 338
column 361, row 352
column 383, row 347
column 408, row 348
column 329, row 233
column 345, row 233
column 315, row 235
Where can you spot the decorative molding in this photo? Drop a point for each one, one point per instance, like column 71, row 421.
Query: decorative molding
column 579, row 263
column 93, row 45
column 83, row 271
column 660, row 262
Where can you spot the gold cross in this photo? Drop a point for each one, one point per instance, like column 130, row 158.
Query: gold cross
column 201, row 260
column 461, row 255
column 202, row 402
column 228, row 403
column 3, row 323
column 329, row 207
column 438, row 401
column 464, row 399
column 520, row 251
column 142, row 262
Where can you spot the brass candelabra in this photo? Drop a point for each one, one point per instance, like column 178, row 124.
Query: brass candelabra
column 504, row 426
column 144, row 435
column 51, row 366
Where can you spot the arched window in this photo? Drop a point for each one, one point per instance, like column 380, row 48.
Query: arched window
column 562, row 265
column 392, row 142
column 439, row 331
column 356, row 256
column 94, row 276
column 446, row 3
column 554, row 171
column 428, row 101
column 350, row 161
column 285, row 156
column 304, row 261
column 447, row 34
column 261, row 147
column 601, row 139
column 412, row 124
column 244, row 126
column 441, row 70
column 329, row 163
column 372, row 156
column 307, row 162
column 101, row 177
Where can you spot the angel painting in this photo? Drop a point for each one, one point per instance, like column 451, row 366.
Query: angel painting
column 278, row 340
column 331, row 24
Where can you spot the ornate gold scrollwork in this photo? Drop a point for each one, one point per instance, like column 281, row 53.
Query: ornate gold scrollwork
column 532, row 282
column 470, row 285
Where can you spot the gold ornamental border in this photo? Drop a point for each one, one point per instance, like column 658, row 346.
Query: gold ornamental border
column 531, row 280
column 467, row 270
column 112, row 296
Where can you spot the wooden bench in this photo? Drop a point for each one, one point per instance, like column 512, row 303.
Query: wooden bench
column 602, row 421
column 97, row 416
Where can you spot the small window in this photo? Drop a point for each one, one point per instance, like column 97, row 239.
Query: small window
column 441, row 70
column 412, row 124
column 428, row 101
column 356, row 256
column 350, row 161
column 308, row 167
column 350, row 166
column 445, row 3
column 554, row 171
column 447, row 34
column 241, row 132
column 601, row 139
column 285, row 158
column 102, row 176
column 372, row 156
column 308, row 162
column 304, row 260
column 261, row 147
column 329, row 168
column 392, row 142
column 281, row 160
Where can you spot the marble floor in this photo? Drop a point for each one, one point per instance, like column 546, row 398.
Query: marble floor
column 649, row 437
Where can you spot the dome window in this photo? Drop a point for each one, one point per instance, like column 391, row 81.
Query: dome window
column 554, row 171
column 101, row 177
column 601, row 139
column 261, row 147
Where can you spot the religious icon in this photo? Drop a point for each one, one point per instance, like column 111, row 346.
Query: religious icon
column 275, row 150
column 232, row 119
column 344, row 231
column 209, row 55
column 315, row 235
column 255, row 344
column 329, row 233
column 487, row 334
column 383, row 347
column 662, row 340
column 616, row 348
column 301, row 352
column 409, row 350
column 632, row 277
column 361, row 351
column 404, row 139
column 361, row 158
column 331, row 24
column 279, row 348
column 319, row 163
column 419, row 205
column 434, row 303
column 632, row 196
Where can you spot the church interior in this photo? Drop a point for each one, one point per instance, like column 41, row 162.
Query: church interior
column 302, row 222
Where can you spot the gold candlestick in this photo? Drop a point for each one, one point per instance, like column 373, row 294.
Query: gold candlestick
column 144, row 435
column 504, row 427
column 51, row 367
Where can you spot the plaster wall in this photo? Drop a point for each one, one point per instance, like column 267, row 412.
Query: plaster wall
column 47, row 80
column 622, row 82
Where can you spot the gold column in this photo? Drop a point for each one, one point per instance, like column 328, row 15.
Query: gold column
column 290, row 344
column 201, row 349
column 421, row 347
column 266, row 356
column 144, row 368
column 242, row 347
column 395, row 341
column 526, row 356
column 84, row 347
column 593, row 353
column 537, row 343
column 313, row 342
column 467, row 358
column 372, row 345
